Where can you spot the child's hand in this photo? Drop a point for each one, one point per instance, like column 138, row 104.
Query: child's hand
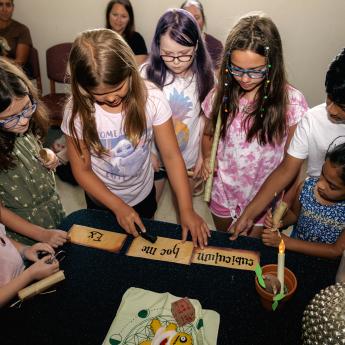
column 242, row 226
column 41, row 269
column 191, row 221
column 205, row 169
column 54, row 237
column 155, row 162
column 197, row 170
column 49, row 159
column 126, row 217
column 268, row 222
column 271, row 238
column 31, row 253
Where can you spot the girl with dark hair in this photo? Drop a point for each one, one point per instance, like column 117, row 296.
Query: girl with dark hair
column 109, row 126
column 180, row 65
column 318, row 212
column 259, row 111
column 27, row 184
column 120, row 18
column 314, row 133
column 214, row 46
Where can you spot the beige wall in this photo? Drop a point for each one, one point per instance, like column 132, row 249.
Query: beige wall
column 313, row 31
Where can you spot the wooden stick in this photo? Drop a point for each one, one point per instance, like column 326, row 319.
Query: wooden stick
column 41, row 285
column 208, row 185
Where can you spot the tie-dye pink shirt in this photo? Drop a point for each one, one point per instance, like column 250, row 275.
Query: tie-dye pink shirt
column 244, row 166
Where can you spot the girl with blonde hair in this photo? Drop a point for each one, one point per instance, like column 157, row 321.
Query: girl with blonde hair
column 110, row 122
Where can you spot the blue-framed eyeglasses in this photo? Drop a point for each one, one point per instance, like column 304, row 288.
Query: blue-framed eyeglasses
column 27, row 112
column 251, row 73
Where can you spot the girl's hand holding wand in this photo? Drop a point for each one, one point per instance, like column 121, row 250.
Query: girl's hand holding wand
column 271, row 235
column 271, row 238
column 269, row 223
column 205, row 169
column 49, row 159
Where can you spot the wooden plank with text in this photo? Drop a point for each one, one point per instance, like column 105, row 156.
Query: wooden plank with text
column 226, row 257
column 164, row 249
column 96, row 238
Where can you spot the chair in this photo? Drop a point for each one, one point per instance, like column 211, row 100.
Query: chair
column 57, row 58
column 33, row 68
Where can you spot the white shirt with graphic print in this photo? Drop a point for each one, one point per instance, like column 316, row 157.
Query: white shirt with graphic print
column 127, row 170
column 183, row 97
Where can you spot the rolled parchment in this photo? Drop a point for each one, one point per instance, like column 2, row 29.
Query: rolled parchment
column 41, row 285
column 208, row 185
column 279, row 213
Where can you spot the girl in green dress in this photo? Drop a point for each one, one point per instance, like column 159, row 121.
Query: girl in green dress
column 27, row 183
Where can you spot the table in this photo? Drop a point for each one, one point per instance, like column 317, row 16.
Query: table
column 85, row 304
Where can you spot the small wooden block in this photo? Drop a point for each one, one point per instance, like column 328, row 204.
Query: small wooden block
column 183, row 311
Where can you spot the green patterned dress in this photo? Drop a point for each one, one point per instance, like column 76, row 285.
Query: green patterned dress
column 29, row 188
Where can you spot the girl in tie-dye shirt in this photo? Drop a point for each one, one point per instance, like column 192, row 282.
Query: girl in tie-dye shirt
column 259, row 112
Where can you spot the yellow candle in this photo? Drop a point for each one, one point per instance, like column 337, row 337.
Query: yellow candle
column 281, row 264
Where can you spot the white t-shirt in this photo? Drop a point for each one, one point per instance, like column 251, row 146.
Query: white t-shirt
column 312, row 137
column 127, row 171
column 183, row 97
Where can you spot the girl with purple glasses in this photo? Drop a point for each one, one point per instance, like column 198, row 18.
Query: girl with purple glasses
column 180, row 65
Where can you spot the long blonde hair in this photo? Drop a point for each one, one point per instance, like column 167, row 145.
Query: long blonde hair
column 98, row 57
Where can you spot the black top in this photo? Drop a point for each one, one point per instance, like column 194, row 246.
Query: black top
column 85, row 304
column 137, row 43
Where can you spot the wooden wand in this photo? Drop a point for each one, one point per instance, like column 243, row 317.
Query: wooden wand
column 208, row 186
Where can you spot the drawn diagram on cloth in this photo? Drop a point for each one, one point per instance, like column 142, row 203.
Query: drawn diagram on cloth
column 140, row 331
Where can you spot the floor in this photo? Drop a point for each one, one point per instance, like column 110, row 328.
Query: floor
column 73, row 200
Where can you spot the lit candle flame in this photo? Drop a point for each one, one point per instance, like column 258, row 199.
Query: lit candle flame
column 281, row 247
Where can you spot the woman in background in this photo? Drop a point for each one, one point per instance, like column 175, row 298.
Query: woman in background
column 17, row 35
column 120, row 18
column 214, row 46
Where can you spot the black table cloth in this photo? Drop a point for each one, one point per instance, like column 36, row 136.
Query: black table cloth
column 85, row 304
